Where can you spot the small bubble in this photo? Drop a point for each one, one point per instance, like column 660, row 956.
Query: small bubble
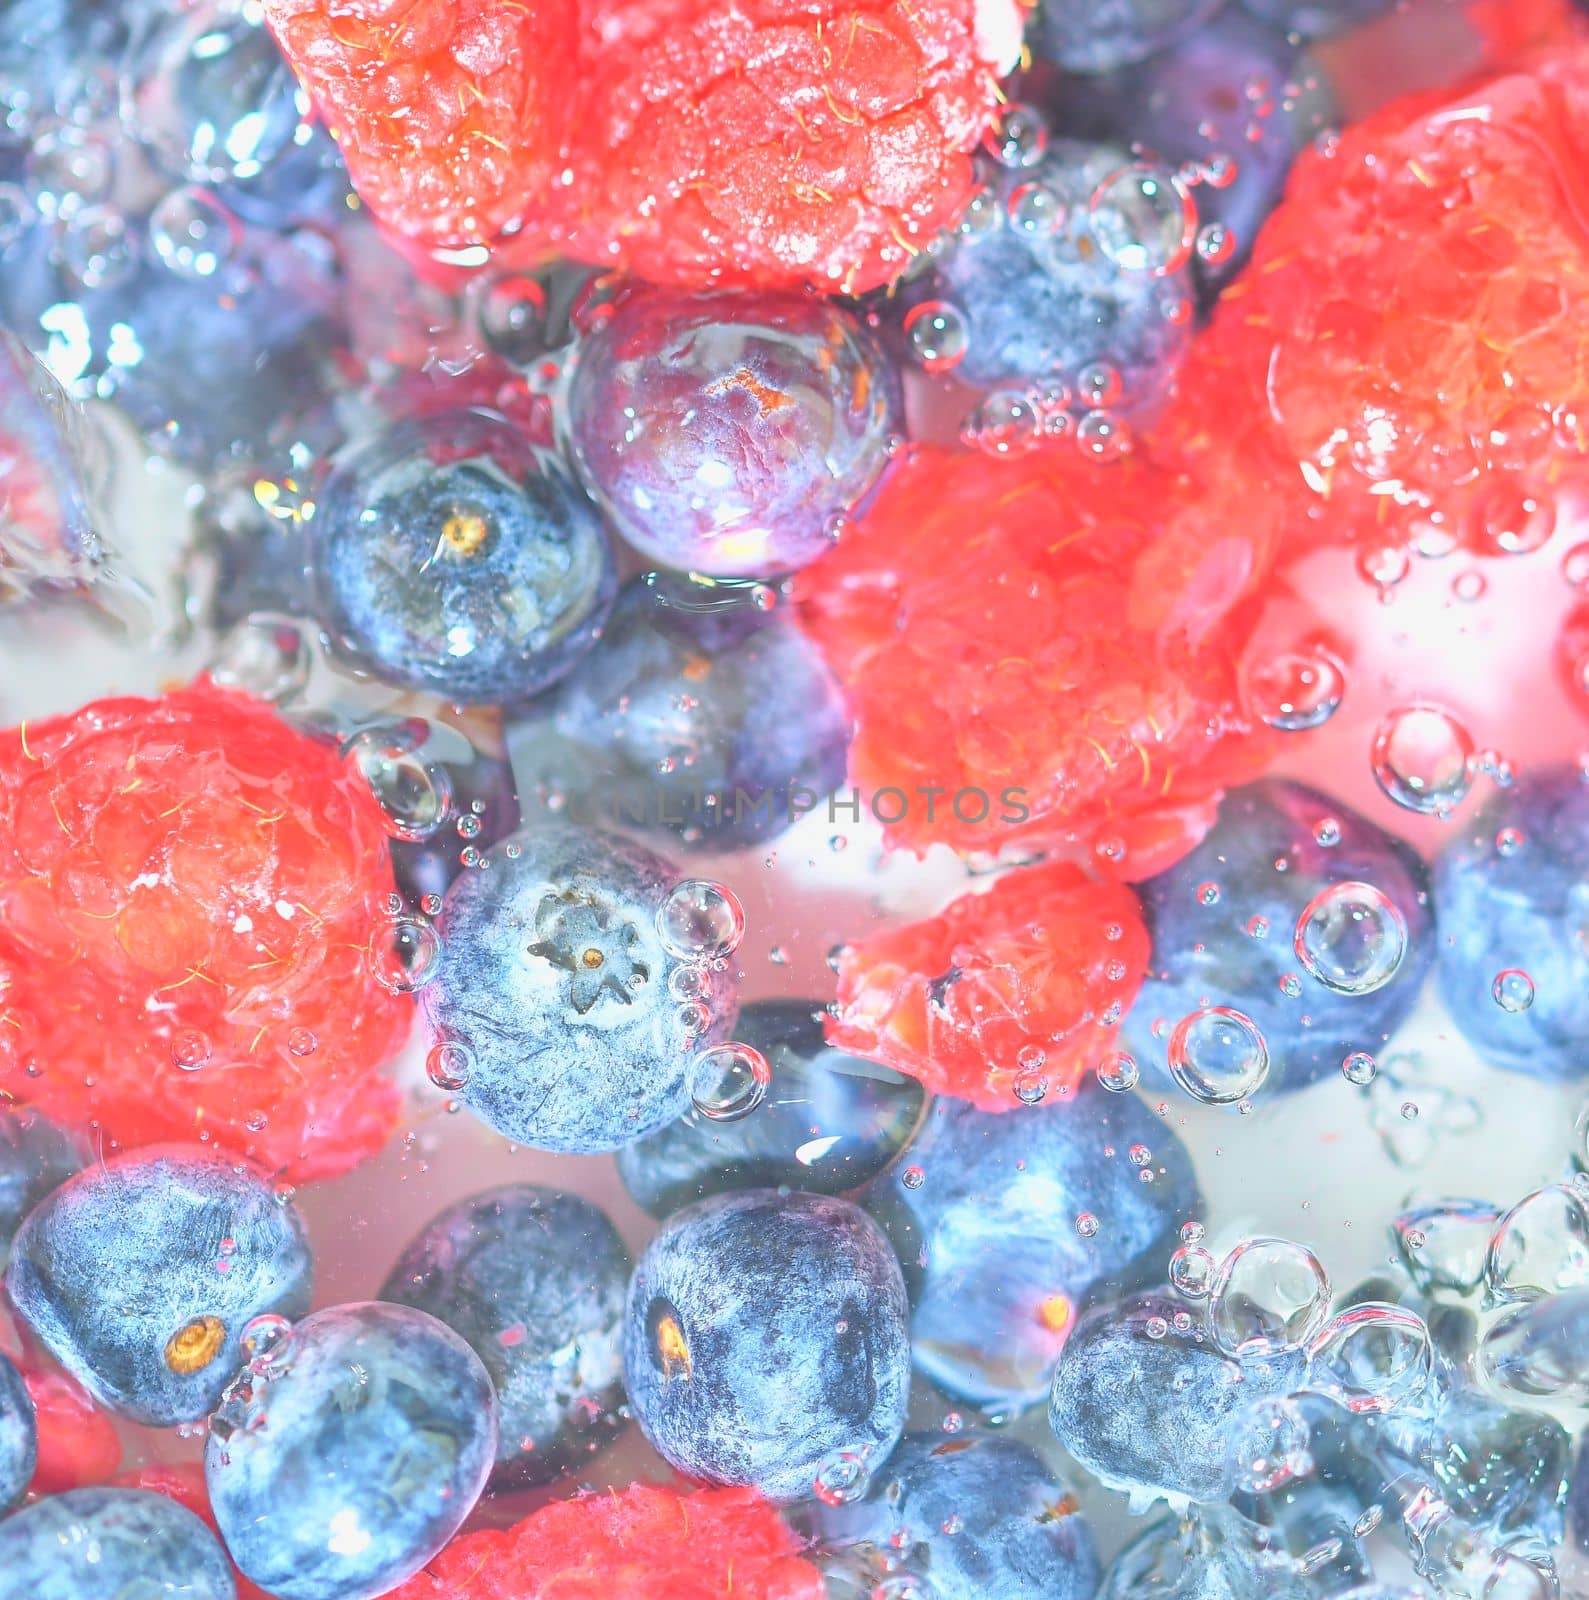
column 512, row 317
column 1359, row 1068
column 1087, row 1225
column 937, row 333
column 449, row 1064
column 1258, row 927
column 1218, row 1055
column 1192, row 1272
column 1514, row 521
column 1423, row 759
column 1409, row 1110
column 1018, row 136
column 1102, row 436
column 700, row 920
column 266, row 656
column 1513, row 990
column 264, row 1341
column 1508, row 841
column 842, row 1479
column 1469, row 586
column 1118, row 1072
column 1143, row 220
column 1139, row 1155
column 1351, row 938
column 415, row 796
column 1296, row 690
column 1575, row 566
column 912, row 1177
column 728, row 1081
column 193, row 234
column 302, row 1042
column 1208, row 894
column 405, row 955
column 1035, row 209
column 190, row 1049
column 1004, row 423
column 1030, row 1087
column 1215, row 244
column 1327, row 833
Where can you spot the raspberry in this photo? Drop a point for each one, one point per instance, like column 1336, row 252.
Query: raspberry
column 446, row 113
column 189, row 888
column 78, row 1443
column 999, row 991
column 1425, row 378
column 637, row 1543
column 1048, row 634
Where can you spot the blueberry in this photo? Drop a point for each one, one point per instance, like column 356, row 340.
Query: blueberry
column 350, row 1452
column 974, row 1516
column 1224, row 923
column 140, row 1274
column 1005, row 1222
column 1068, row 275
column 1313, row 19
column 730, row 433
column 452, row 554
column 765, row 1342
column 36, row 1157
column 534, row 1280
column 1145, row 1402
column 58, row 57
column 1578, row 1497
column 106, row 1544
column 1095, row 35
column 555, row 992
column 1234, row 97
column 830, row 1122
column 698, row 715
column 1186, row 1560
column 1513, row 892
column 19, row 1435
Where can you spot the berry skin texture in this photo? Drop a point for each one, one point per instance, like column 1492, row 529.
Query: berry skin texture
column 553, row 988
column 1314, row 19
column 1150, row 1413
column 448, row 116
column 749, row 1309
column 19, row 1435
column 834, row 1123
column 451, row 554
column 982, row 1514
column 1119, row 737
column 534, row 1280
column 35, row 1158
column 1517, row 909
column 983, row 1211
column 1027, row 980
column 1096, row 35
column 1224, row 924
column 708, row 713
column 210, row 1247
column 1422, row 379
column 344, row 1459
column 730, row 433
column 636, row 1543
column 189, row 888
column 112, row 1542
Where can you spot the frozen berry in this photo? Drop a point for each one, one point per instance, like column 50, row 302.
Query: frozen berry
column 451, row 117
column 1421, row 379
column 210, row 1247
column 1002, row 994
column 730, row 434
column 751, row 1308
column 190, row 891
column 559, row 1008
column 453, row 554
column 1095, row 35
column 642, row 1542
column 1069, row 275
column 699, row 715
column 1119, row 736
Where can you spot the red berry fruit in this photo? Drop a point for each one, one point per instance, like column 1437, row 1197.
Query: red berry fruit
column 1003, row 997
column 1424, row 380
column 638, row 1543
column 451, row 115
column 78, row 1443
column 1052, row 636
column 189, row 891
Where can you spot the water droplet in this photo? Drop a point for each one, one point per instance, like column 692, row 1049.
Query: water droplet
column 728, row 1081
column 1087, row 1225
column 1018, row 136
column 1456, row 1243
column 1118, row 1072
column 1192, row 1272
column 449, row 1064
column 302, row 1042
column 1512, row 520
column 1143, row 220
column 1215, row 244
column 841, row 1479
column 1513, row 990
column 1269, row 1295
column 190, row 1049
column 700, row 920
column 415, row 795
column 265, row 656
column 1218, row 1055
column 1540, row 1246
column 937, row 333
column 1423, row 759
column 1371, row 1358
column 1359, row 1067
column 405, row 955
column 512, row 313
column 912, row 1177
column 1035, row 209
column 1351, row 938
column 265, row 1342
column 1296, row 690
column 1030, row 1086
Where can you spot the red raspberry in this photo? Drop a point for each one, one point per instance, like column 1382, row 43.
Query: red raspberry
column 1028, row 979
column 1424, row 376
column 78, row 1443
column 639, row 1543
column 451, row 113
column 189, row 888
column 1047, row 626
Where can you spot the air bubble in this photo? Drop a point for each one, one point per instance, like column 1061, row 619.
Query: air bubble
column 1118, row 1072
column 302, row 1042
column 1192, row 1272
column 1372, row 1358
column 1423, row 759
column 1004, row 423
column 1541, row 1246
column 1513, row 990
column 265, row 656
column 1035, row 209
column 842, row 1480
column 405, row 955
column 1360, row 1068
column 1215, row 244
column 1218, row 1055
column 1018, row 137
column 1269, row 1295
column 1143, row 220
column 1351, row 938
column 449, row 1064
column 264, row 1343
column 938, row 334
column 193, row 234
column 415, row 796
column 190, row 1049
column 1268, row 1447
column 1087, row 1225
column 512, row 316
column 700, row 920
column 728, row 1081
